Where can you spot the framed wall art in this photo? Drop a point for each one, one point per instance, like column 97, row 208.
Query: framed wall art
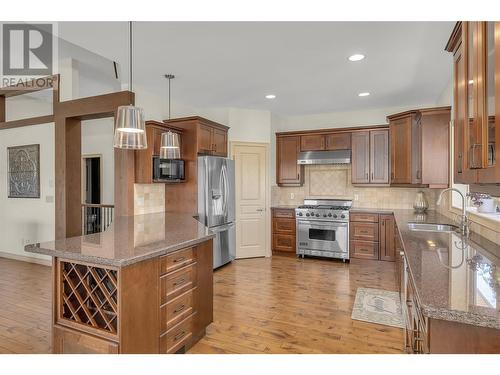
column 24, row 171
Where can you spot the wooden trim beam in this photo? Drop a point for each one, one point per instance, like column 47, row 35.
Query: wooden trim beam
column 33, row 85
column 94, row 107
column 455, row 38
column 334, row 130
column 26, row 121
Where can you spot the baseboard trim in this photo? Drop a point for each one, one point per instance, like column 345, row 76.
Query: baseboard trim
column 24, row 258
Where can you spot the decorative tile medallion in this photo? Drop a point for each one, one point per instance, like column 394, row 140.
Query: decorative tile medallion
column 24, row 171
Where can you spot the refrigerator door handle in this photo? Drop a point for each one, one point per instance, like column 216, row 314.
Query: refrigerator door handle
column 225, row 189
column 222, row 228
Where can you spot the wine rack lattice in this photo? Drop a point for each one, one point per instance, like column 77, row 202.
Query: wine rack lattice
column 89, row 296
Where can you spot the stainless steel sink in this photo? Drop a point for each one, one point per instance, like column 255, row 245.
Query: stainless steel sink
column 425, row 227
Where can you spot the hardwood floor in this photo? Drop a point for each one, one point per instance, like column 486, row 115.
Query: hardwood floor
column 25, row 307
column 264, row 305
column 286, row 305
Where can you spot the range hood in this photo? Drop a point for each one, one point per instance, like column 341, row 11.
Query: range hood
column 325, row 157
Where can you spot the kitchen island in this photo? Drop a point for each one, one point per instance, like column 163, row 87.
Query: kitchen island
column 144, row 285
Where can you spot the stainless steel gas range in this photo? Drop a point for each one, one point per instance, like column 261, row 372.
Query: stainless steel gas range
column 323, row 228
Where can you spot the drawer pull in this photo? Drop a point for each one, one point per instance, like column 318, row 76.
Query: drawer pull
column 180, row 282
column 178, row 310
column 180, row 336
column 181, row 259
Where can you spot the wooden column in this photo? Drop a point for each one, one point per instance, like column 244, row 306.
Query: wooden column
column 68, row 172
column 2, row 109
column 124, row 182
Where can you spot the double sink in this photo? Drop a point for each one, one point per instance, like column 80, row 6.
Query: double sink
column 428, row 227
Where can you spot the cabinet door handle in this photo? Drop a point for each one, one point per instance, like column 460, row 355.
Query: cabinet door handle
column 298, row 176
column 367, row 176
column 179, row 309
column 372, row 176
column 418, row 175
column 180, row 335
column 181, row 259
column 180, row 282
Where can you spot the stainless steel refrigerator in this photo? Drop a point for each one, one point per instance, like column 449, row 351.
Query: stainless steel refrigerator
column 216, row 204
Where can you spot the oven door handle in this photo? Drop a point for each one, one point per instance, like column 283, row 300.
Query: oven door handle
column 332, row 225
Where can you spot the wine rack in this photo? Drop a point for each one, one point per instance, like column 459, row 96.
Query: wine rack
column 89, row 296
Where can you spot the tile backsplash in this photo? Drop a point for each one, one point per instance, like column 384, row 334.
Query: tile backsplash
column 334, row 181
column 149, row 198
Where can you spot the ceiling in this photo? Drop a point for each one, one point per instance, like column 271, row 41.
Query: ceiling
column 235, row 64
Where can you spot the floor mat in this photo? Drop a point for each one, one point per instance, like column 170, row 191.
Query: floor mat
column 378, row 306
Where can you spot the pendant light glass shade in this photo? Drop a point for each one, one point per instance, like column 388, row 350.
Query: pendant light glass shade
column 130, row 128
column 170, row 146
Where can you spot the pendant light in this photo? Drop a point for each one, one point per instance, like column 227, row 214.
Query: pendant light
column 170, row 143
column 130, row 127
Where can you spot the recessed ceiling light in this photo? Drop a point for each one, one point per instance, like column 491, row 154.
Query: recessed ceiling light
column 471, row 81
column 270, row 96
column 363, row 94
column 356, row 57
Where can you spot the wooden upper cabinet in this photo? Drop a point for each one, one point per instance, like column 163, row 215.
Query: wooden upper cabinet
column 288, row 172
column 370, row 157
column 360, row 158
column 205, row 143
column 491, row 131
column 212, row 140
column 476, row 50
column 220, row 142
column 312, row 142
column 419, row 147
column 325, row 142
column 379, row 156
column 338, row 141
column 400, row 131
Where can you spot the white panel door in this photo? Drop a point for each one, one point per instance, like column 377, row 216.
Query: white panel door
column 251, row 211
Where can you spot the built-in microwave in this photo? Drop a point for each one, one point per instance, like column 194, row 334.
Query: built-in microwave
column 168, row 170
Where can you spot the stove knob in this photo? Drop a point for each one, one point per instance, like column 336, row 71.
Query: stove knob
column 329, row 215
column 300, row 214
column 324, row 215
column 307, row 214
column 342, row 216
column 334, row 216
column 317, row 215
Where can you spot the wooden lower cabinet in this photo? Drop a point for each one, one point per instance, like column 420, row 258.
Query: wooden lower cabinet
column 371, row 236
column 387, row 246
column 159, row 305
column 67, row 341
column 283, row 230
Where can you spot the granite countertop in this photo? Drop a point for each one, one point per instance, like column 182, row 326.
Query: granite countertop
column 284, row 206
column 130, row 240
column 456, row 279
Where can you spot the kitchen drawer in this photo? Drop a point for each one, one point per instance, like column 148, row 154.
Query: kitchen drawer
column 177, row 310
column 282, row 225
column 356, row 216
column 177, row 337
column 364, row 231
column 177, row 282
column 363, row 250
column 176, row 260
column 284, row 242
column 284, row 212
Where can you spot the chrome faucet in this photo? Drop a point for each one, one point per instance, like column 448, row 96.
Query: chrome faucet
column 464, row 225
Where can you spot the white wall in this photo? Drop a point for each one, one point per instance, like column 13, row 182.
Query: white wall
column 24, row 221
